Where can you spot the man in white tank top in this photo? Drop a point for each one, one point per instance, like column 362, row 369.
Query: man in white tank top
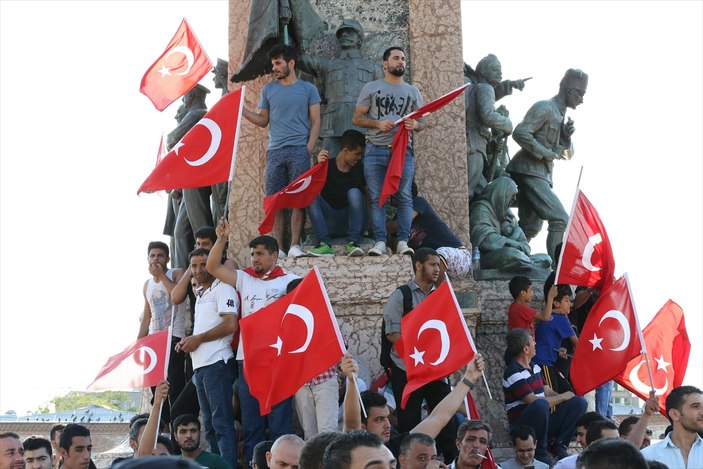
column 157, row 313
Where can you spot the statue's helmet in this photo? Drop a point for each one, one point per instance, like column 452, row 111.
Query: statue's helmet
column 349, row 23
column 221, row 66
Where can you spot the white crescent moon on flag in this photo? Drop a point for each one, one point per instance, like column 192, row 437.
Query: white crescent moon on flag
column 190, row 58
column 303, row 313
column 619, row 317
column 588, row 252
column 443, row 337
column 152, row 358
column 643, row 388
column 302, row 185
column 215, row 139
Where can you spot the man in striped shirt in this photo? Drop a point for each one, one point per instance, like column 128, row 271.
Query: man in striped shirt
column 528, row 400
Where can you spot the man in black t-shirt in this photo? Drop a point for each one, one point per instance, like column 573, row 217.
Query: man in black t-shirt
column 339, row 210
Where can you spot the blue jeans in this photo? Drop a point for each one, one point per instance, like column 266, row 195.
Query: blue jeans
column 376, row 159
column 279, row 420
column 603, row 394
column 214, row 386
column 329, row 222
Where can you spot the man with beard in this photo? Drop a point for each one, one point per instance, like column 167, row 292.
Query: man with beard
column 11, row 451
column 380, row 104
column 683, row 446
column 259, row 285
column 37, row 453
column 186, row 430
column 213, row 360
column 544, row 137
column 75, row 447
column 291, row 110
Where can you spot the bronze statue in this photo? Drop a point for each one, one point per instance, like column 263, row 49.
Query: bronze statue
column 495, row 230
column 272, row 22
column 486, row 127
column 544, row 136
column 342, row 78
column 220, row 74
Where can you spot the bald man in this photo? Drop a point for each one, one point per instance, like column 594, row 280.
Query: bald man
column 285, row 452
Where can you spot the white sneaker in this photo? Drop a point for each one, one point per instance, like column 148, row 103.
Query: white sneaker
column 403, row 248
column 281, row 255
column 378, row 249
column 296, row 251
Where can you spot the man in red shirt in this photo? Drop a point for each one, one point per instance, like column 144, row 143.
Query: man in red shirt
column 520, row 314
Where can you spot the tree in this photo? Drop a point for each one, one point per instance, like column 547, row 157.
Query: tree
column 76, row 400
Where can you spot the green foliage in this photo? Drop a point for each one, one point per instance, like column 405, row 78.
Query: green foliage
column 76, row 400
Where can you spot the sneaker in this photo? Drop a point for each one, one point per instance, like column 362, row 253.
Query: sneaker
column 403, row 248
column 296, row 251
column 281, row 255
column 322, row 249
column 353, row 250
column 378, row 249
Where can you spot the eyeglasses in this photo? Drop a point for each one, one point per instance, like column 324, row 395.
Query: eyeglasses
column 525, row 451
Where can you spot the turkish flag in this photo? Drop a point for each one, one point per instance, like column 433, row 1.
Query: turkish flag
column 472, row 414
column 400, row 143
column 289, row 342
column 298, row 194
column 667, row 343
column 610, row 338
column 206, row 154
column 586, row 256
column 143, row 363
column 162, row 150
column 182, row 65
column 435, row 341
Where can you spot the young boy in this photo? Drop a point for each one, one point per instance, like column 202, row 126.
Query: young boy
column 339, row 209
column 549, row 336
column 520, row 314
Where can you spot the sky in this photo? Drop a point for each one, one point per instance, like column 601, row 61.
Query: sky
column 73, row 249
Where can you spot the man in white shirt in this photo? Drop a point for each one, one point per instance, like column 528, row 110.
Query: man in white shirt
column 683, row 447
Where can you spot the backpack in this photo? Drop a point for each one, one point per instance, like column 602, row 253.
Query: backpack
column 386, row 345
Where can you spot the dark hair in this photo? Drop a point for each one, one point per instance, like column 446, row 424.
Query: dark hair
column 372, row 399
column 259, row 453
column 292, row 284
column 422, row 254
column 9, row 435
column 411, row 438
column 157, row 245
column 184, row 419
column 33, row 443
column 516, row 339
column 352, row 139
column 338, row 453
column 652, row 464
column 523, row 432
column 135, row 427
column 562, row 292
column 269, row 243
column 283, row 51
column 677, row 396
column 166, row 441
column 158, row 462
column 611, row 453
column 387, row 52
column 588, row 418
column 206, row 232
column 58, row 428
column 71, row 430
column 595, row 430
column 518, row 284
column 626, row 425
column 198, row 252
column 314, row 450
column 467, row 425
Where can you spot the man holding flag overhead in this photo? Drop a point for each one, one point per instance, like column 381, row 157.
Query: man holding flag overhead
column 381, row 103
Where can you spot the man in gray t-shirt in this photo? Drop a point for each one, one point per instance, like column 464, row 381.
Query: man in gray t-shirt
column 380, row 104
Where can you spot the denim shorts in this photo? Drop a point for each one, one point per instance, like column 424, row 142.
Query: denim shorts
column 285, row 164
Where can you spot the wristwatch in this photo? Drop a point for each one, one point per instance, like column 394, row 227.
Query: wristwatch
column 466, row 381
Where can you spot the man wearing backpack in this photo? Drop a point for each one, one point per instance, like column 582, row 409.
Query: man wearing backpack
column 402, row 301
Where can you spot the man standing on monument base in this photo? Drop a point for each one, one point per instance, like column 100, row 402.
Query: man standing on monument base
column 544, row 137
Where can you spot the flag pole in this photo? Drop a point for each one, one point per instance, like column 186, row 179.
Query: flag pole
column 639, row 333
column 358, row 395
column 483, row 375
column 233, row 167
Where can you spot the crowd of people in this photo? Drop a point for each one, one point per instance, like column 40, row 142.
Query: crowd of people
column 206, row 395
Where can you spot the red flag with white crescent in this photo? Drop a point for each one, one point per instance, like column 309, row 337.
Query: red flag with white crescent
column 586, row 256
column 610, row 338
column 668, row 348
column 181, row 66
column 143, row 363
column 206, row 154
column 289, row 342
column 435, row 341
column 298, row 194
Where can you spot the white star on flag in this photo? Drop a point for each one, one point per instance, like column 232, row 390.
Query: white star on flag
column 277, row 345
column 418, row 356
column 661, row 363
column 596, row 342
column 164, row 70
